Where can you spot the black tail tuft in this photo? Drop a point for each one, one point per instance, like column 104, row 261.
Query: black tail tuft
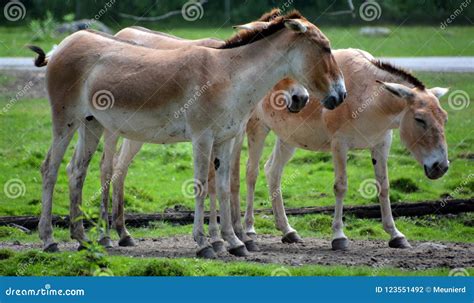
column 41, row 59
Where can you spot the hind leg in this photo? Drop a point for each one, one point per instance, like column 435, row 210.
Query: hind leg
column 63, row 131
column 282, row 153
column 214, row 231
column 90, row 132
column 106, row 176
column 127, row 152
column 256, row 134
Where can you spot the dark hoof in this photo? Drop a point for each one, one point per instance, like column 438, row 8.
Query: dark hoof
column 53, row 247
column 219, row 247
column 251, row 246
column 399, row 242
column 206, row 253
column 340, row 244
column 239, row 251
column 127, row 241
column 106, row 242
column 292, row 237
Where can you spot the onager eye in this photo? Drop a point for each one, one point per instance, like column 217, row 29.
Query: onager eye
column 421, row 122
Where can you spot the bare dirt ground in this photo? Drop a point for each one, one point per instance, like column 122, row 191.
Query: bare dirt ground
column 313, row 251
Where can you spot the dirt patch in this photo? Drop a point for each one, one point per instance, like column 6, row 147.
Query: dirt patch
column 313, row 251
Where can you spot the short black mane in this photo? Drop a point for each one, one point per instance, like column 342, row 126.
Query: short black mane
column 245, row 37
column 400, row 72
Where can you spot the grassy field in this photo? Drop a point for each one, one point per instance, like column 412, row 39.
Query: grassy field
column 158, row 173
column 403, row 41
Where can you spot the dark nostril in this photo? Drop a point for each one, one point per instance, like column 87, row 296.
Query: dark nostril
column 435, row 165
column 344, row 96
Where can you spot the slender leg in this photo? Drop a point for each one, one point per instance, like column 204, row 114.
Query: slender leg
column 63, row 131
column 202, row 148
column 282, row 153
column 379, row 159
column 214, row 231
column 223, row 155
column 127, row 152
column 89, row 137
column 106, row 169
column 256, row 134
column 235, row 194
column 339, row 152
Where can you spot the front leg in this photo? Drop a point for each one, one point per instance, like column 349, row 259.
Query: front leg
column 379, row 160
column 202, row 146
column 339, row 153
column 106, row 174
column 235, row 194
column 223, row 157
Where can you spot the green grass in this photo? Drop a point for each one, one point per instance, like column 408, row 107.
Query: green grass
column 403, row 41
column 156, row 176
column 35, row 263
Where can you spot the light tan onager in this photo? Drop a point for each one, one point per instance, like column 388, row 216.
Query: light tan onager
column 116, row 175
column 96, row 81
column 366, row 120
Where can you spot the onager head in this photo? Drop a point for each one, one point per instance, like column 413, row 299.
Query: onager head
column 422, row 126
column 310, row 56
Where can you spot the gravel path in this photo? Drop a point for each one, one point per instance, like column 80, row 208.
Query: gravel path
column 376, row 254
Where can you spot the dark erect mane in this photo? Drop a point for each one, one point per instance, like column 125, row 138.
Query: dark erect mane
column 405, row 75
column 249, row 36
column 274, row 13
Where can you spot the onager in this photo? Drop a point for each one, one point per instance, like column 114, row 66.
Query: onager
column 381, row 98
column 116, row 173
column 96, row 81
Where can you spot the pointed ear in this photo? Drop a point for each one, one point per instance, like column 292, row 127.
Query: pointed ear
column 296, row 25
column 398, row 90
column 439, row 91
column 251, row 25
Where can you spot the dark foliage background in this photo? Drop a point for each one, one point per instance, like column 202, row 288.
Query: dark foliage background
column 218, row 12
